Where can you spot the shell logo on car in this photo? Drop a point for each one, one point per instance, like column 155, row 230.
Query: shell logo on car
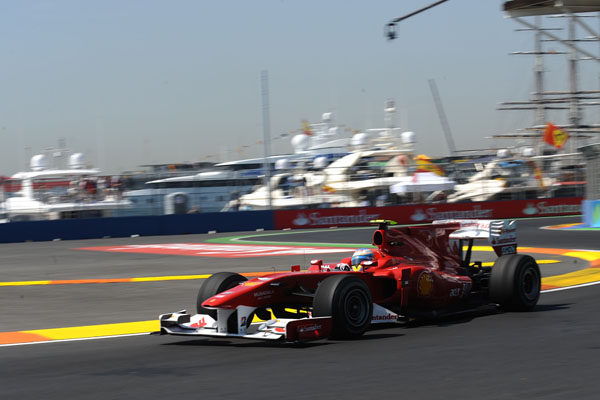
column 425, row 284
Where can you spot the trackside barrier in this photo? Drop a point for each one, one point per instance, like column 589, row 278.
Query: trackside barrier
column 94, row 228
column 423, row 213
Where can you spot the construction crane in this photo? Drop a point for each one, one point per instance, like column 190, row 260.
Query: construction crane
column 442, row 116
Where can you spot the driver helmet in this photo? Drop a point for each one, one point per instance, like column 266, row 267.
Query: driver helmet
column 361, row 255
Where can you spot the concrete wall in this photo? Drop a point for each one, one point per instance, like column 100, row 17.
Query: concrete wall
column 71, row 229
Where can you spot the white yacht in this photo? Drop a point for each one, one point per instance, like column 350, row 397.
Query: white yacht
column 379, row 159
column 206, row 191
column 212, row 190
column 53, row 193
column 300, row 187
column 504, row 178
column 528, row 176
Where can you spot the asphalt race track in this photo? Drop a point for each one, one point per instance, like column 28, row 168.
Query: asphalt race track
column 551, row 353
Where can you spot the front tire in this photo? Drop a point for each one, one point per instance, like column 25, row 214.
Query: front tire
column 215, row 284
column 348, row 301
column 515, row 282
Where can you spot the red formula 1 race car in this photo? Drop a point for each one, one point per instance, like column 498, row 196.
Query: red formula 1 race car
column 415, row 271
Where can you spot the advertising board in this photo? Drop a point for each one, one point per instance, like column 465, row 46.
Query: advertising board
column 424, row 213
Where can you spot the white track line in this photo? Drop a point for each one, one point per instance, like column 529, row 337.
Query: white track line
column 75, row 340
column 571, row 287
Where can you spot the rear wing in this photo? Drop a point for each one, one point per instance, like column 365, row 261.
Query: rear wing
column 501, row 234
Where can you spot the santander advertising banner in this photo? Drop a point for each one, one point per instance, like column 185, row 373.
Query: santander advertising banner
column 423, row 213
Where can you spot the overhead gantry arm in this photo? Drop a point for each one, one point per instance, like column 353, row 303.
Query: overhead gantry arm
column 390, row 28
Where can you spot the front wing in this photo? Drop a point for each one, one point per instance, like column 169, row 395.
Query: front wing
column 290, row 330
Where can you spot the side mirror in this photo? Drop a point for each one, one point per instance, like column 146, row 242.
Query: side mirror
column 315, row 265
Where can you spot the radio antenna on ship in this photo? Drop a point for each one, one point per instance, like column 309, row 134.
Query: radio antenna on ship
column 264, row 83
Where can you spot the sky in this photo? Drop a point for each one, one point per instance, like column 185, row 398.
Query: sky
column 139, row 82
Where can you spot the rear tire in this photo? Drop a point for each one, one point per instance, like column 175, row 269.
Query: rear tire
column 215, row 284
column 515, row 282
column 348, row 301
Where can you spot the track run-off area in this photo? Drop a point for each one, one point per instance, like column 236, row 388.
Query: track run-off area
column 56, row 296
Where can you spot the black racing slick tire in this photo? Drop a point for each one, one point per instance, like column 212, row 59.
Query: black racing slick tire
column 215, row 284
column 348, row 301
column 515, row 282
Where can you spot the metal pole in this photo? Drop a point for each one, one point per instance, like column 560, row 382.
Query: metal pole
column 574, row 115
column 264, row 80
column 420, row 10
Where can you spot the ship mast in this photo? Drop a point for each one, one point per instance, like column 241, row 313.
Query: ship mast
column 574, row 113
column 572, row 99
column 540, row 116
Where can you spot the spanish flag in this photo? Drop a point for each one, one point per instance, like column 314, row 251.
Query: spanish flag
column 555, row 136
column 424, row 164
column 306, row 128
